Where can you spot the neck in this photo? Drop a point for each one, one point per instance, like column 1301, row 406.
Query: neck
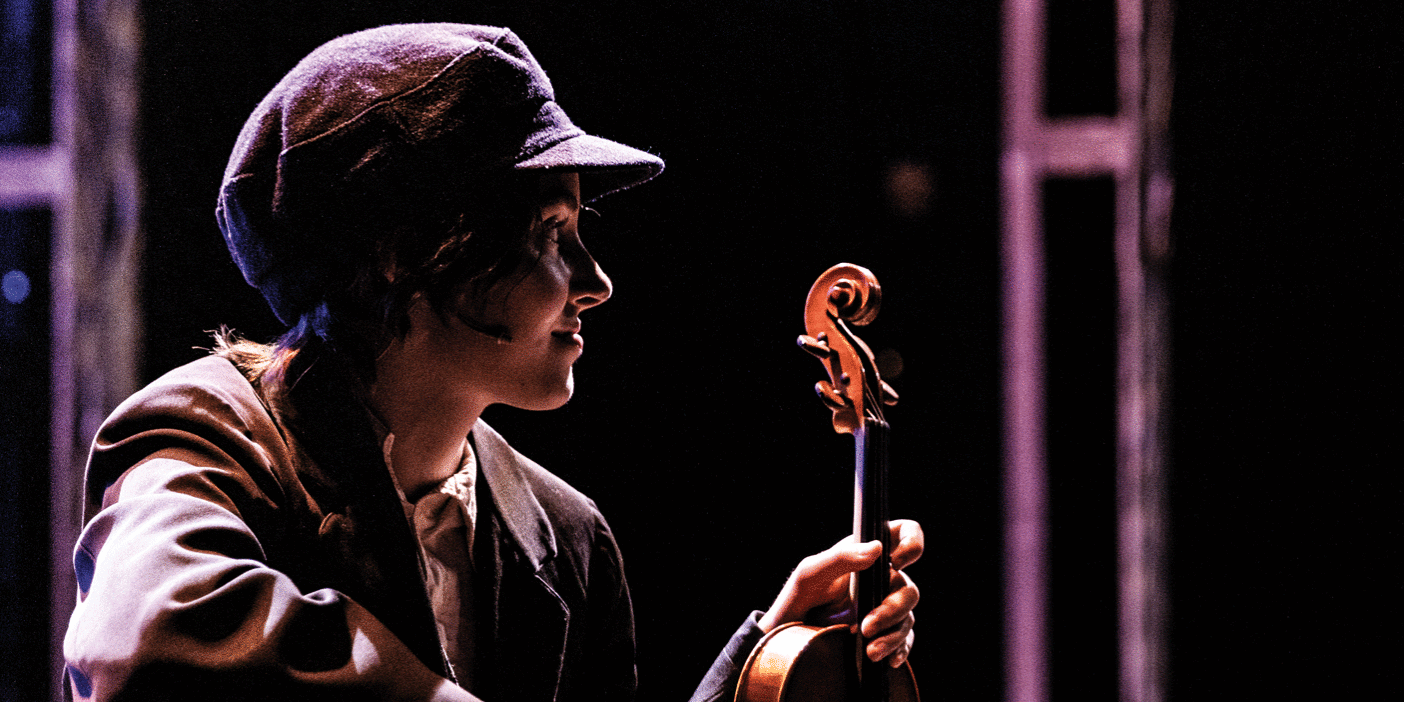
column 429, row 421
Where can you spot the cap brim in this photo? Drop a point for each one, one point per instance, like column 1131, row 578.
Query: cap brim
column 605, row 166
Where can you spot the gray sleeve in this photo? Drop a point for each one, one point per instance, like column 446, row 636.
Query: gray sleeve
column 720, row 681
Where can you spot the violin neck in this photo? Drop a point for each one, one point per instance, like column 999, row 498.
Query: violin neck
column 870, row 510
column 870, row 502
column 869, row 587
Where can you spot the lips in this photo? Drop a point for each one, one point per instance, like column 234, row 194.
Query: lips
column 570, row 336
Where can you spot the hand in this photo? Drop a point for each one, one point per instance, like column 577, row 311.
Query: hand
column 818, row 590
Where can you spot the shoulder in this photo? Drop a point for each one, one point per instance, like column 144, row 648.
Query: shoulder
column 556, row 496
column 210, row 388
column 547, row 517
column 207, row 401
column 204, row 413
column 558, row 529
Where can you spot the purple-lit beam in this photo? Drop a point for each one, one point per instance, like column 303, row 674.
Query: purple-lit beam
column 1035, row 148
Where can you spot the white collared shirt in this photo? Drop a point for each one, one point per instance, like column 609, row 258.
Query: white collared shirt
column 443, row 520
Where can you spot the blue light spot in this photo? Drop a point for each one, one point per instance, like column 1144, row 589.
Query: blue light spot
column 81, row 684
column 16, row 286
column 83, row 567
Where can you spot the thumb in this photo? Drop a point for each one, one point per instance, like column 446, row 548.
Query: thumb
column 844, row 557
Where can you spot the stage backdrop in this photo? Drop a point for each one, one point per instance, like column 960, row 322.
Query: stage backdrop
column 788, row 128
column 797, row 135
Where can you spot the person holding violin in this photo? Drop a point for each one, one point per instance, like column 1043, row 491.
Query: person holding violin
column 327, row 517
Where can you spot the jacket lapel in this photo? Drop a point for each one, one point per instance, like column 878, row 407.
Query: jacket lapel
column 521, row 513
column 524, row 615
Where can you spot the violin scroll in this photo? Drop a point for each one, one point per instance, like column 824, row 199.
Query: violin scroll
column 843, row 295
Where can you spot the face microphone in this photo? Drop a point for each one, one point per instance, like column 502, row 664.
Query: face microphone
column 498, row 332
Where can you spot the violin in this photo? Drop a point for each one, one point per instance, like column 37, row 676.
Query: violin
column 798, row 662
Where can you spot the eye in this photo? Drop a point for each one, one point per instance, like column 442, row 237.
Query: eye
column 549, row 234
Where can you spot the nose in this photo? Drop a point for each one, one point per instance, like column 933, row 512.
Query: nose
column 589, row 285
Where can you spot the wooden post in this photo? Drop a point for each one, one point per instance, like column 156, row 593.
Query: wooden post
column 1130, row 146
column 95, row 273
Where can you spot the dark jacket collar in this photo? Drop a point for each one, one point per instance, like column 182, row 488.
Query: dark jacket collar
column 521, row 512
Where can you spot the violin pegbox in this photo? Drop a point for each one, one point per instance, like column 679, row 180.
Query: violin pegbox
column 845, row 294
column 832, row 398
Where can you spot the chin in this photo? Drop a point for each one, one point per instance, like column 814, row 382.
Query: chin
column 550, row 398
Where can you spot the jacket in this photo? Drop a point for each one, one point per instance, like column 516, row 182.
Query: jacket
column 237, row 550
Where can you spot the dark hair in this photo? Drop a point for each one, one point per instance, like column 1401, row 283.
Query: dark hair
column 470, row 240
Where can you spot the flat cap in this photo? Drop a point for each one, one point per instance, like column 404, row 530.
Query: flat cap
column 374, row 124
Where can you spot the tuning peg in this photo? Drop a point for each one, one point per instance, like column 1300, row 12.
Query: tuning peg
column 889, row 396
column 816, row 346
column 831, row 399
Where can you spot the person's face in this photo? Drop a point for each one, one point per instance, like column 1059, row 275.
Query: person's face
column 537, row 307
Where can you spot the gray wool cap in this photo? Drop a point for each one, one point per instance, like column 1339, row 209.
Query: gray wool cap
column 383, row 120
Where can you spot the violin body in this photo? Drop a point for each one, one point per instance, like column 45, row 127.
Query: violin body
column 802, row 663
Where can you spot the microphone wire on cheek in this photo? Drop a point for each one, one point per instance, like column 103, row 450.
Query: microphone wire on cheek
column 500, row 333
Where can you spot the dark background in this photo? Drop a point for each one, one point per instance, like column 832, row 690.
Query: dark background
column 694, row 427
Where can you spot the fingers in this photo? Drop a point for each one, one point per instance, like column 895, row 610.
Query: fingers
column 889, row 628
column 908, row 542
column 895, row 645
column 818, row 587
column 821, row 580
column 820, row 583
column 840, row 559
column 895, row 609
column 848, row 556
